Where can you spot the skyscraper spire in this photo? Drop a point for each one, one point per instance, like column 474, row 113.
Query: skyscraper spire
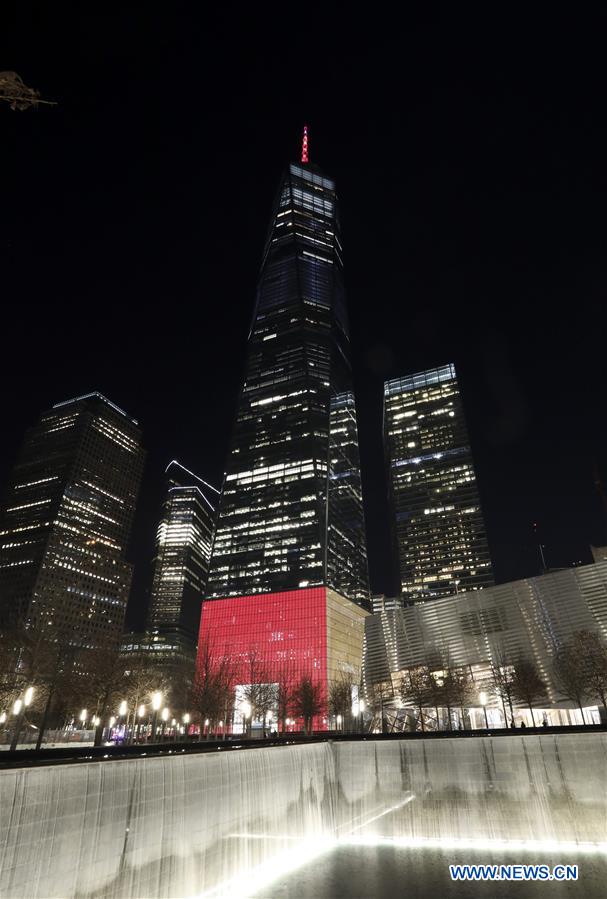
column 304, row 145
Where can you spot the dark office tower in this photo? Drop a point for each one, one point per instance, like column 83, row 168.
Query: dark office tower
column 291, row 511
column 439, row 529
column 183, row 551
column 67, row 518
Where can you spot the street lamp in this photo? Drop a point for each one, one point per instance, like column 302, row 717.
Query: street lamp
column 483, row 701
column 2, row 717
column 83, row 717
column 165, row 718
column 156, row 703
column 186, row 721
column 338, row 722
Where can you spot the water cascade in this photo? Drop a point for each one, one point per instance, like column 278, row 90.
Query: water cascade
column 225, row 823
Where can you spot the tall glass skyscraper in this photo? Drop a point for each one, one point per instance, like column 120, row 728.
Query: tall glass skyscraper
column 437, row 517
column 67, row 519
column 181, row 562
column 291, row 512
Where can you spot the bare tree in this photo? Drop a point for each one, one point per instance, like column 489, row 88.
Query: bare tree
column 415, row 690
column 595, row 651
column 377, row 695
column 571, row 672
column 308, row 701
column 502, row 677
column 103, row 684
column 340, row 696
column 461, row 688
column 49, row 664
column 12, row 675
column 259, row 692
column 213, row 687
column 527, row 685
column 285, row 678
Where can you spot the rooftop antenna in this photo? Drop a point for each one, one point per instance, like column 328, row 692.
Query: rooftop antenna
column 304, row 145
column 541, row 548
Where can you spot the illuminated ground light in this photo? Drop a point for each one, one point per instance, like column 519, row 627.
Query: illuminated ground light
column 274, row 868
column 481, row 844
column 303, row 851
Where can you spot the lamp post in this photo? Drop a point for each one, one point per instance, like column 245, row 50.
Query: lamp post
column 19, row 708
column 140, row 715
column 82, row 718
column 338, row 722
column 483, row 700
column 165, row 718
column 186, row 721
column 156, row 703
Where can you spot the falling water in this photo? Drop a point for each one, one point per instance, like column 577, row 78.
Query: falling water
column 224, row 823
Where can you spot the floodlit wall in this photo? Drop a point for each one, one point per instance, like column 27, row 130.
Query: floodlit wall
column 185, row 825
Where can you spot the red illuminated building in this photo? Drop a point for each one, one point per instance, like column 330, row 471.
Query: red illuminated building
column 312, row 632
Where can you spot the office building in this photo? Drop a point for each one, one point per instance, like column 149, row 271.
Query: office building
column 288, row 583
column 66, row 522
column 181, row 562
column 437, row 520
column 291, row 512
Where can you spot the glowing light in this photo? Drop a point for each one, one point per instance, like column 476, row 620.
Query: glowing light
column 304, row 145
column 123, row 707
column 186, row 718
column 28, row 696
column 141, row 711
column 278, row 866
column 482, row 697
column 156, row 701
column 165, row 714
column 83, row 715
column 17, row 706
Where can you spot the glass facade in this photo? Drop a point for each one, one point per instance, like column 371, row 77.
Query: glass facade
column 291, row 511
column 183, row 550
column 67, row 519
column 438, row 522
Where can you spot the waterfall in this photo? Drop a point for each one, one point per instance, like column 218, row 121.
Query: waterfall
column 213, row 824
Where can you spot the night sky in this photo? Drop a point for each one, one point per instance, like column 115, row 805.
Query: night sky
column 470, row 154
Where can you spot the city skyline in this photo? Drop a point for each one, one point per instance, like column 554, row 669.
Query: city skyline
column 469, row 221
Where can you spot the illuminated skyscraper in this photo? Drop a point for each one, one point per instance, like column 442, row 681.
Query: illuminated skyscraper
column 67, row 519
column 181, row 563
column 291, row 512
column 438, row 522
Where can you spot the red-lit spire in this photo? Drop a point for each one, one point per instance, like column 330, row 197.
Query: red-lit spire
column 304, row 145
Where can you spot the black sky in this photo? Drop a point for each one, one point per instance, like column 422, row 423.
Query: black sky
column 470, row 152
